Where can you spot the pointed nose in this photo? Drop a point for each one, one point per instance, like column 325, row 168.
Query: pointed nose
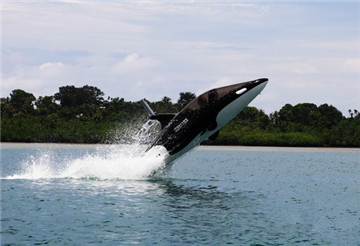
column 259, row 81
column 255, row 83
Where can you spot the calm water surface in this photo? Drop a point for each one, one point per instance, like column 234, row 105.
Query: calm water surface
column 92, row 195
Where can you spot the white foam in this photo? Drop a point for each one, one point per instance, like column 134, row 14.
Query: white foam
column 35, row 168
column 126, row 162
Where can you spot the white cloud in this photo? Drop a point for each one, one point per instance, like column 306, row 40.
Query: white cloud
column 27, row 84
column 51, row 69
column 38, row 79
column 134, row 63
column 51, row 65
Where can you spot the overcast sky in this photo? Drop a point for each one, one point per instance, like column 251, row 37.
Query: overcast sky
column 144, row 49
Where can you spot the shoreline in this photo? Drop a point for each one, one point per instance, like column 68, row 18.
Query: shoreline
column 19, row 145
column 15, row 145
column 276, row 148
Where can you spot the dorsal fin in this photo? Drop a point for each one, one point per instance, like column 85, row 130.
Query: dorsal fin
column 164, row 119
column 147, row 107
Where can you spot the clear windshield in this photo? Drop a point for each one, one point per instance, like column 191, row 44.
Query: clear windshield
column 212, row 96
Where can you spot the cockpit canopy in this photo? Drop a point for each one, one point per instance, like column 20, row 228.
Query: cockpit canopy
column 214, row 95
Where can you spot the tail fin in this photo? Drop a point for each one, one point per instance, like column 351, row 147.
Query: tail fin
column 164, row 119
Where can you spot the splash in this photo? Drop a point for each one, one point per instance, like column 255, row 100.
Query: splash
column 107, row 162
column 123, row 162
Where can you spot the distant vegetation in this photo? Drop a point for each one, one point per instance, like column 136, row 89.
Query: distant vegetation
column 82, row 115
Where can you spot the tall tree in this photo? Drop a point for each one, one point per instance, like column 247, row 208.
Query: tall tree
column 46, row 104
column 22, row 101
column 90, row 95
column 330, row 116
column 70, row 96
column 6, row 110
column 67, row 96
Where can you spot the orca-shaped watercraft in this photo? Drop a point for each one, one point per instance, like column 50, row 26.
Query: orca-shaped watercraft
column 202, row 118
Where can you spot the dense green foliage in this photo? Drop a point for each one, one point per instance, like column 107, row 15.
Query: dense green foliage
column 82, row 115
column 300, row 125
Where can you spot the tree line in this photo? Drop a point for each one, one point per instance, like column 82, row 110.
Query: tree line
column 83, row 115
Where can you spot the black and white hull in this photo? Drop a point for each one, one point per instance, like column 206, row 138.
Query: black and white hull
column 202, row 118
